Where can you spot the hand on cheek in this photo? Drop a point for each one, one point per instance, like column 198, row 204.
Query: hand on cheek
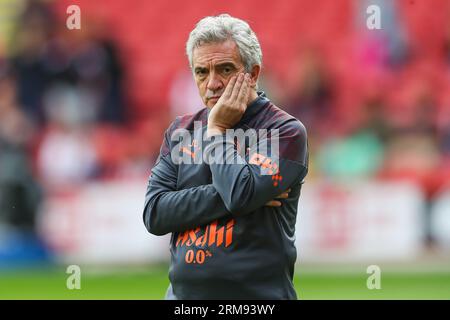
column 231, row 106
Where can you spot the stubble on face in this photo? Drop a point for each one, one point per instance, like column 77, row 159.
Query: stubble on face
column 214, row 64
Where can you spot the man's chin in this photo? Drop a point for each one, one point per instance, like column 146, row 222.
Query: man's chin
column 211, row 103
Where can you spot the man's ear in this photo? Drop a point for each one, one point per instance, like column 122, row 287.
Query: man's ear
column 254, row 75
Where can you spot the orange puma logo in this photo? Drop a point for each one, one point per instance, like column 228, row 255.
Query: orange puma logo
column 193, row 145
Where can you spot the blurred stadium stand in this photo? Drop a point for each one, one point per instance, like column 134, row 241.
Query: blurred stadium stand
column 89, row 106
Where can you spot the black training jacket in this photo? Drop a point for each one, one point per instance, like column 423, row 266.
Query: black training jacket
column 225, row 243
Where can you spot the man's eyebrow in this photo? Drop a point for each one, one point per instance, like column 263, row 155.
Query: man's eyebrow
column 226, row 64
column 200, row 69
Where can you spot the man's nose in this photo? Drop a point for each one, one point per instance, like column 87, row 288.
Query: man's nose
column 214, row 83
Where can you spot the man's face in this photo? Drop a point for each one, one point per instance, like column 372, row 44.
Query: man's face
column 214, row 64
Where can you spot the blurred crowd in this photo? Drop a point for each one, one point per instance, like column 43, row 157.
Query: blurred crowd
column 66, row 117
column 54, row 89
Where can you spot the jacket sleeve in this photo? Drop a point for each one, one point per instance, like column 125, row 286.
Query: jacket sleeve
column 245, row 185
column 167, row 209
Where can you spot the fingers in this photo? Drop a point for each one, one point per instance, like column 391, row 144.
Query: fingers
column 284, row 195
column 237, row 91
column 229, row 89
column 243, row 93
column 273, row 203
column 237, row 87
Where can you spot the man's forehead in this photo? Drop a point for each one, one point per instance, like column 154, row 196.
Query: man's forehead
column 216, row 52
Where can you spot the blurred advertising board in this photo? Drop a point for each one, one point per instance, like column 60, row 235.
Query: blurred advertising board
column 360, row 221
column 102, row 223
column 440, row 219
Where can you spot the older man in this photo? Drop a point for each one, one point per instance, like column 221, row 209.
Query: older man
column 232, row 218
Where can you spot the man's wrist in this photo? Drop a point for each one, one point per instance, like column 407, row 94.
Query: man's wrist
column 214, row 131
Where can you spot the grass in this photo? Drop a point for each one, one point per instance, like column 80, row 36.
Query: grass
column 393, row 286
column 151, row 283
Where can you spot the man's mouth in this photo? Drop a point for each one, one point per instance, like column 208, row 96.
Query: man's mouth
column 213, row 100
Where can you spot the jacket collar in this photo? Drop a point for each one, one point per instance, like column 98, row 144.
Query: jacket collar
column 255, row 106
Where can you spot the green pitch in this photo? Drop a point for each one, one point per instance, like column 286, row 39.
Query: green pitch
column 151, row 283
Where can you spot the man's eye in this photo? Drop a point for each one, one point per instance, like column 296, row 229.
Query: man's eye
column 200, row 72
column 227, row 70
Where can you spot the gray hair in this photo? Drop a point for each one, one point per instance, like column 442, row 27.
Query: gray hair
column 224, row 27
